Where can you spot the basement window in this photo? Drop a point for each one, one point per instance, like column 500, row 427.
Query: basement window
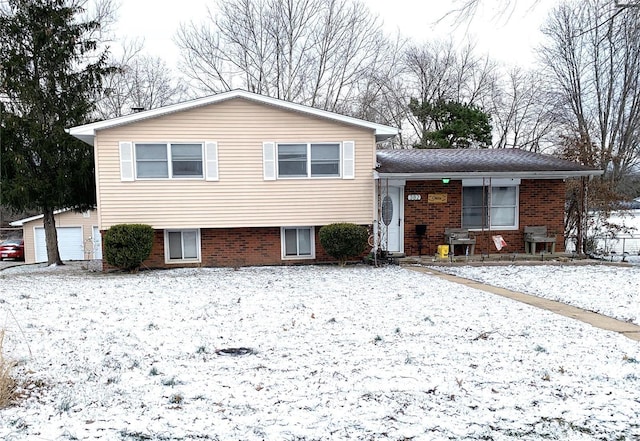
column 182, row 245
column 298, row 243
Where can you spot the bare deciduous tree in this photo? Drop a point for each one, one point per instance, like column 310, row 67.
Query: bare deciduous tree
column 313, row 52
column 594, row 75
column 521, row 111
column 465, row 10
column 382, row 96
column 438, row 72
column 139, row 82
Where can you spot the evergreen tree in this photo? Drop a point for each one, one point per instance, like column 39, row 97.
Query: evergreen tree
column 49, row 71
column 451, row 125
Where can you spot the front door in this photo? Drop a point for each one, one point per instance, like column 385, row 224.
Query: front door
column 392, row 219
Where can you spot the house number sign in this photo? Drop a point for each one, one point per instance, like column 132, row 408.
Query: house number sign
column 414, row 197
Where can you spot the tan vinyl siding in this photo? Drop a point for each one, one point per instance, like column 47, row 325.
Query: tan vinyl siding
column 241, row 197
column 66, row 219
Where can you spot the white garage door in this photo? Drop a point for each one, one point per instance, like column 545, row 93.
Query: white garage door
column 70, row 244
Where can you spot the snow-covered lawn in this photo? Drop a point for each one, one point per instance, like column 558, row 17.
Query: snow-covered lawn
column 356, row 353
column 610, row 290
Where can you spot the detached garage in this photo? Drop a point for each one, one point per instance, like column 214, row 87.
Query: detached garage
column 78, row 236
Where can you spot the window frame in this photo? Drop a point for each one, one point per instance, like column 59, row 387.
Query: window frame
column 298, row 256
column 167, row 251
column 170, row 160
column 487, row 208
column 309, row 160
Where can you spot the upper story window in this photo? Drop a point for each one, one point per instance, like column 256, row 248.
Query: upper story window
column 168, row 160
column 325, row 159
column 490, row 204
column 151, row 161
column 186, row 160
column 308, row 160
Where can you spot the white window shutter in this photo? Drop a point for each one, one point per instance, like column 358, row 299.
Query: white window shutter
column 269, row 160
column 126, row 161
column 348, row 159
column 211, row 158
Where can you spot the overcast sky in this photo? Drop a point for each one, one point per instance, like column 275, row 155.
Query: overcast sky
column 506, row 38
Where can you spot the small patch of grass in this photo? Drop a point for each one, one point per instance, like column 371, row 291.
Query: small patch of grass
column 8, row 384
column 65, row 405
column 154, row 371
column 540, row 349
column 125, row 434
column 170, row 382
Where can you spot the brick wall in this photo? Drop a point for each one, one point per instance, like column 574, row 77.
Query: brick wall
column 234, row 247
column 541, row 202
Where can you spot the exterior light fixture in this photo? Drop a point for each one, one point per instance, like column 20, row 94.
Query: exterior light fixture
column 445, row 180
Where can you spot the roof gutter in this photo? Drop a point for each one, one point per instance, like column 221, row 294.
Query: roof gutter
column 466, row 175
column 88, row 136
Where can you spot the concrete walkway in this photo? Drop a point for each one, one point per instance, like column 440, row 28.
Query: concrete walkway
column 629, row 330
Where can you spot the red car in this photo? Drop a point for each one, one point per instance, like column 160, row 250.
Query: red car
column 12, row 249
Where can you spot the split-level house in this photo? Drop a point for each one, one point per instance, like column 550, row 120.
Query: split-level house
column 243, row 179
column 236, row 178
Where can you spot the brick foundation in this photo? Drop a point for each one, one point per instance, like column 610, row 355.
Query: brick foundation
column 234, row 247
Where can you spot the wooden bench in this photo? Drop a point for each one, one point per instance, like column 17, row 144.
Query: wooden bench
column 536, row 235
column 459, row 236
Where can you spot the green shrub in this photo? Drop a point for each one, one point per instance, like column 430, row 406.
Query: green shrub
column 126, row 246
column 342, row 241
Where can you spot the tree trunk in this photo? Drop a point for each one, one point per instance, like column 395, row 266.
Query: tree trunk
column 51, row 238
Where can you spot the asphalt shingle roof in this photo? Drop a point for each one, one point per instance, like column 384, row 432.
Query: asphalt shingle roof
column 471, row 160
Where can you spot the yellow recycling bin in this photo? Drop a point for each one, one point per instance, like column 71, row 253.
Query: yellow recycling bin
column 443, row 251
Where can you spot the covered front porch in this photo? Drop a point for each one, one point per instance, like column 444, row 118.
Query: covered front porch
column 494, row 195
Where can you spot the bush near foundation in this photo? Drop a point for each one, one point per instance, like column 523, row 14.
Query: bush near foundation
column 343, row 240
column 126, row 246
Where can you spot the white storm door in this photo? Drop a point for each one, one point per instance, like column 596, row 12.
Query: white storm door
column 392, row 214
